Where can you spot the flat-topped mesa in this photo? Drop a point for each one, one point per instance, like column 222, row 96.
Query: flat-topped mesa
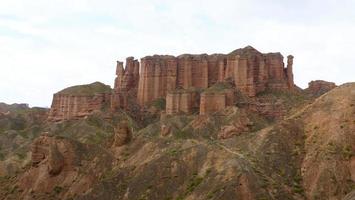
column 251, row 71
column 126, row 83
column 79, row 101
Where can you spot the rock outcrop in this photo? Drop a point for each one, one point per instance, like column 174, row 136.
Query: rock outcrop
column 251, row 71
column 63, row 166
column 79, row 101
column 176, row 79
column 45, row 149
column 182, row 101
column 126, row 84
column 216, row 101
column 319, row 87
column 123, row 134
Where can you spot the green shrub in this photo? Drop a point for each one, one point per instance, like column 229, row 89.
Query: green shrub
column 57, row 189
column 159, row 104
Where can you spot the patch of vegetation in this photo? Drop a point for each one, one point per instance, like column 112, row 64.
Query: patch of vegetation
column 109, row 174
column 159, row 104
column 13, row 189
column 297, row 186
column 173, row 152
column 2, row 156
column 89, row 89
column 347, row 152
column 182, row 134
column 218, row 87
column 18, row 123
column 57, row 189
column 193, row 183
column 21, row 155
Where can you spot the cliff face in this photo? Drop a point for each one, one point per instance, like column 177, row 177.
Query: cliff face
column 216, row 101
column 79, row 101
column 182, row 102
column 161, row 76
column 126, row 84
column 251, row 71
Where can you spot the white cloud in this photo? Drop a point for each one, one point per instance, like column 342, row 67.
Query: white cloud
column 48, row 45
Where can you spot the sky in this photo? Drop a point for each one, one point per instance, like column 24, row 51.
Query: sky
column 46, row 46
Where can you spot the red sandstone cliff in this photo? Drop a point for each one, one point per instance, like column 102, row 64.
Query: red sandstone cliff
column 174, row 78
column 251, row 71
column 126, row 84
column 79, row 101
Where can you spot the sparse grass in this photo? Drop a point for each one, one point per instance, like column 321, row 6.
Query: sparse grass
column 57, row 189
column 2, row 156
column 193, row 183
column 89, row 89
column 347, row 152
column 159, row 104
column 173, row 152
column 182, row 134
column 21, row 155
column 218, row 87
column 297, row 186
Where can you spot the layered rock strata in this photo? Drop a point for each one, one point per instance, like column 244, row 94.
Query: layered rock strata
column 216, row 101
column 79, row 101
column 182, row 101
column 251, row 71
column 126, row 84
column 160, row 76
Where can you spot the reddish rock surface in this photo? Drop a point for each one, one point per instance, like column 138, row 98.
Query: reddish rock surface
column 160, row 76
column 182, row 102
column 319, row 87
column 78, row 103
column 216, row 101
column 126, row 84
column 165, row 130
column 57, row 163
column 251, row 71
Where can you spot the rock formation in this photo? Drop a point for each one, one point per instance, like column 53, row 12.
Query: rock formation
column 79, row 101
column 216, row 101
column 60, row 163
column 181, row 81
column 44, row 149
column 251, row 71
column 182, row 101
column 319, row 87
column 126, row 84
column 165, row 130
column 123, row 134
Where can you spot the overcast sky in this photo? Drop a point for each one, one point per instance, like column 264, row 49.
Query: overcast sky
column 47, row 45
